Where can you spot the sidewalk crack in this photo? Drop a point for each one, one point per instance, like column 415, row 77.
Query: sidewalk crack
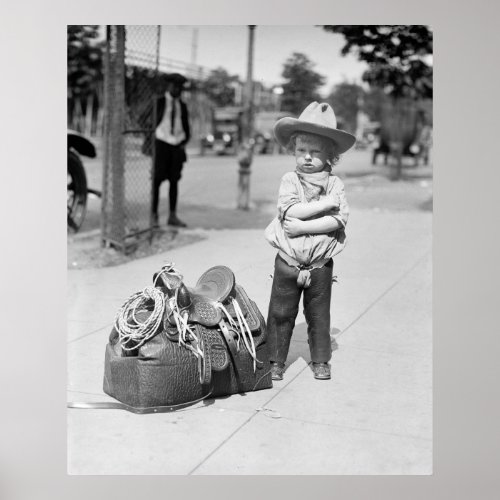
column 254, row 414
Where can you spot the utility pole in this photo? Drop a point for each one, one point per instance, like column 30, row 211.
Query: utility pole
column 194, row 47
column 245, row 153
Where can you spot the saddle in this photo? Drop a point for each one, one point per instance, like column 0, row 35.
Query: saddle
column 201, row 303
column 215, row 300
column 207, row 337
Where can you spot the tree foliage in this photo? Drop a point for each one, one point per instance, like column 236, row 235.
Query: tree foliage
column 375, row 101
column 219, row 87
column 346, row 99
column 301, row 83
column 397, row 55
column 84, row 59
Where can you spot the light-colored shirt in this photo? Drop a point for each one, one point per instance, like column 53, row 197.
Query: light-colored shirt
column 164, row 130
column 308, row 248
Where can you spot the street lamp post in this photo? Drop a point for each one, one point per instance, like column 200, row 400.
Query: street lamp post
column 245, row 153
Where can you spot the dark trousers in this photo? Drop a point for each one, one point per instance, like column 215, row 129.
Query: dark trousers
column 169, row 161
column 172, row 196
column 284, row 306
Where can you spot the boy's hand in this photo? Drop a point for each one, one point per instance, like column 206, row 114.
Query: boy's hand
column 331, row 203
column 293, row 227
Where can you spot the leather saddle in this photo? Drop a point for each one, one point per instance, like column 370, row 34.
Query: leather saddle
column 186, row 359
column 206, row 307
column 201, row 303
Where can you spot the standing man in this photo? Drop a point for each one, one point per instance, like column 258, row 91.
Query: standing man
column 171, row 134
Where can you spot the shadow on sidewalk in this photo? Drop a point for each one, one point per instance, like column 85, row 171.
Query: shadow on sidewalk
column 299, row 346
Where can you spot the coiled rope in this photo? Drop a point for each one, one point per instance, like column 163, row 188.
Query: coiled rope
column 133, row 333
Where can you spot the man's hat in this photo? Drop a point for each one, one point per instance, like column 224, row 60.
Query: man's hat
column 176, row 78
column 315, row 119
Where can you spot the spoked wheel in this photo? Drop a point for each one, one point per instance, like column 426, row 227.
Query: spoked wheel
column 77, row 192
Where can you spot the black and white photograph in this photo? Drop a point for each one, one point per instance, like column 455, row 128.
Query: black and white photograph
column 277, row 271
column 249, row 249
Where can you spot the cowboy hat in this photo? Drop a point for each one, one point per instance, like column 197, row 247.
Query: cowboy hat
column 315, row 119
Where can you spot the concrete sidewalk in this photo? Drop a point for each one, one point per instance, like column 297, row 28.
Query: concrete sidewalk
column 373, row 417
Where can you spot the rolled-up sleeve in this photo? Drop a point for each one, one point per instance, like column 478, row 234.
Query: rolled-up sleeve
column 288, row 195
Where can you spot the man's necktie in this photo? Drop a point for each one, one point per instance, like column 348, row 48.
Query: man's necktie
column 172, row 118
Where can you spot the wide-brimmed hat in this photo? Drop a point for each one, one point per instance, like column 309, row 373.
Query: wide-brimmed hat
column 176, row 78
column 319, row 119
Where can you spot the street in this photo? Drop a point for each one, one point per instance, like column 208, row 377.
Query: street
column 208, row 189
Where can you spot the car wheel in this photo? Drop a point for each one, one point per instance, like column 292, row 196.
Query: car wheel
column 77, row 192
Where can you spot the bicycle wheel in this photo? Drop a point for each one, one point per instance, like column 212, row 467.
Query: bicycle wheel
column 77, row 192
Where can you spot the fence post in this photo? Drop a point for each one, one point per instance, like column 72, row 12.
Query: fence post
column 113, row 217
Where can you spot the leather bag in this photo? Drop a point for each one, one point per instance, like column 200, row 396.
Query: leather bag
column 163, row 372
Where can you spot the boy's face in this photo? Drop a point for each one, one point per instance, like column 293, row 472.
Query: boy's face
column 310, row 154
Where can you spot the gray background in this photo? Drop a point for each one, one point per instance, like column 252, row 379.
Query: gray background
column 32, row 293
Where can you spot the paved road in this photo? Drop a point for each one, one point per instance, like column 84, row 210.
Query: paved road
column 208, row 189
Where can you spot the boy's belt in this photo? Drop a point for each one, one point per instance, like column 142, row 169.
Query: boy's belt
column 304, row 277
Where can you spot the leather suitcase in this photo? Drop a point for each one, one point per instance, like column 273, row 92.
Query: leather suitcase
column 162, row 372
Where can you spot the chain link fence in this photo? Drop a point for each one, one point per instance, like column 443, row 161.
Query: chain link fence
column 131, row 83
column 142, row 81
column 134, row 77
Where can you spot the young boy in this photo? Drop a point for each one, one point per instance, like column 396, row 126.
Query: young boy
column 308, row 232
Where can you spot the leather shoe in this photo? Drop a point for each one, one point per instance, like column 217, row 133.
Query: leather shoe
column 321, row 371
column 173, row 220
column 277, row 371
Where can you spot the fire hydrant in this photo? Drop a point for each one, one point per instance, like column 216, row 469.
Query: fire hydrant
column 245, row 156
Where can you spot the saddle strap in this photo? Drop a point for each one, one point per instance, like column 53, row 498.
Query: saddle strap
column 233, row 349
column 216, row 348
column 205, row 360
column 112, row 405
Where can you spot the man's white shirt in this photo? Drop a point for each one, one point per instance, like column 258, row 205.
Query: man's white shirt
column 164, row 129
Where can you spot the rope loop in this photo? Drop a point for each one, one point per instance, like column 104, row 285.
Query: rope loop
column 133, row 332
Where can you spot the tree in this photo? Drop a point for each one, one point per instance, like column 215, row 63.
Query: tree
column 220, row 87
column 301, row 83
column 375, row 100
column 397, row 56
column 84, row 60
column 346, row 99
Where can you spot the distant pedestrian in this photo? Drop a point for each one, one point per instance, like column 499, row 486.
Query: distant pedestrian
column 172, row 132
column 424, row 142
column 308, row 232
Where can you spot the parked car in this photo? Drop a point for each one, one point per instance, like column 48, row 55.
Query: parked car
column 220, row 143
column 78, row 146
column 264, row 138
column 226, row 131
